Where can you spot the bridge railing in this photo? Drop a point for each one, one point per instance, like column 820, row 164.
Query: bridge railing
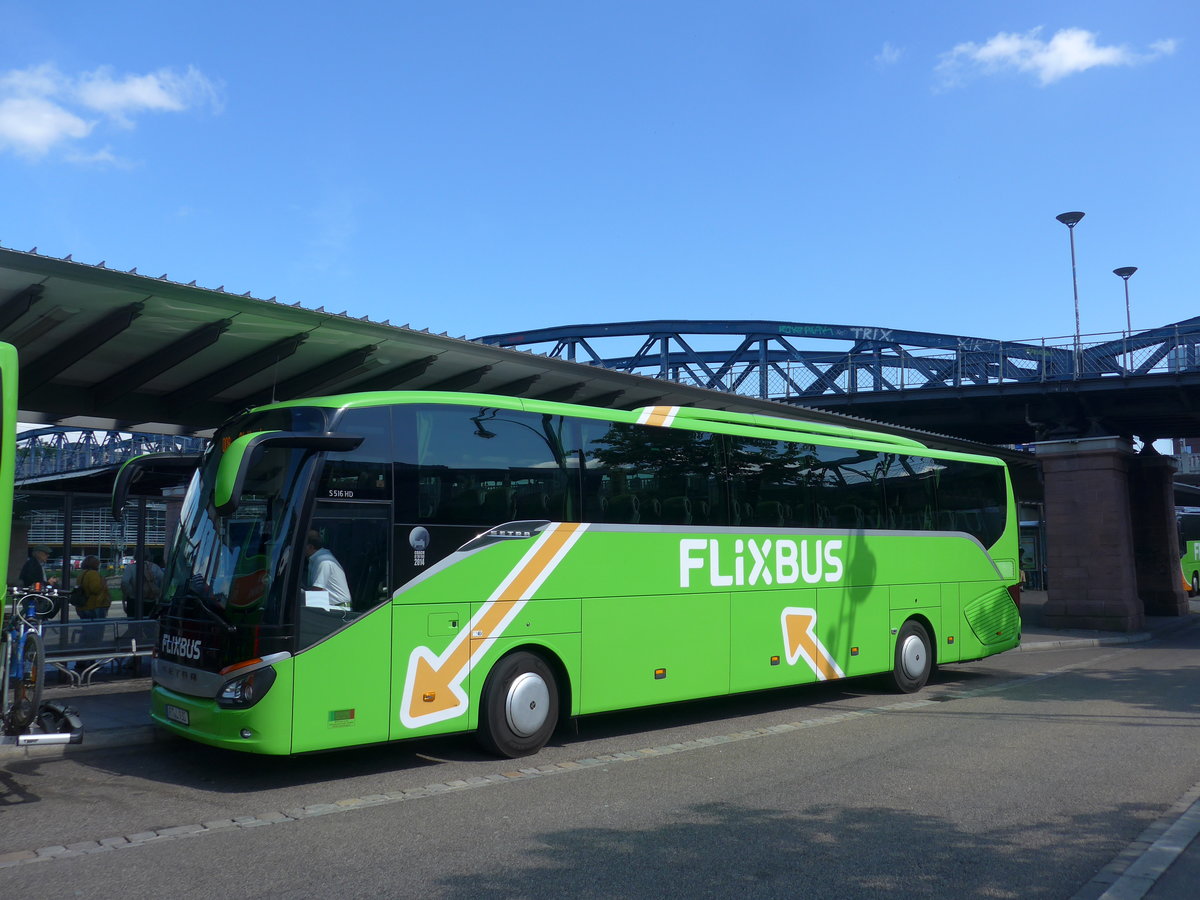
column 884, row 368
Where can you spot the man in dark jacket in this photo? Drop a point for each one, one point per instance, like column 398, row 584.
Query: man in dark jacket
column 34, row 572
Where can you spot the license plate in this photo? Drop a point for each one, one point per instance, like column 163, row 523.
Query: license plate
column 175, row 714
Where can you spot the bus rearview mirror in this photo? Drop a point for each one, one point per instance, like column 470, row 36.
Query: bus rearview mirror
column 241, row 455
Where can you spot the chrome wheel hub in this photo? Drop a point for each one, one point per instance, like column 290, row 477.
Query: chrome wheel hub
column 527, row 704
column 912, row 656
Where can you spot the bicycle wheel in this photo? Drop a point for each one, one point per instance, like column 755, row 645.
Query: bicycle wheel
column 27, row 690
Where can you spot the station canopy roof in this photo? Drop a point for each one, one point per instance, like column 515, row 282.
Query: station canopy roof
column 103, row 348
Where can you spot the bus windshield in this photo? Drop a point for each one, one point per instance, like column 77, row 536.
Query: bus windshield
column 230, row 567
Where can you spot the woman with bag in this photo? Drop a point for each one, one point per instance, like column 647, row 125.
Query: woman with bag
column 95, row 591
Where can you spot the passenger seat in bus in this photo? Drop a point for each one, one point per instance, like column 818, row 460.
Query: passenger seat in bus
column 677, row 511
column 497, row 506
column 533, row 505
column 462, row 509
column 847, row 516
column 623, row 508
column 769, row 513
column 650, row 509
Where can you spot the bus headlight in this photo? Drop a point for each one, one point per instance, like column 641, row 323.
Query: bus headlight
column 246, row 690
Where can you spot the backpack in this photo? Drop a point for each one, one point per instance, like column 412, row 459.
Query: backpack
column 150, row 589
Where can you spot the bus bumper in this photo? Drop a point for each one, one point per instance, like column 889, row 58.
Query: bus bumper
column 259, row 729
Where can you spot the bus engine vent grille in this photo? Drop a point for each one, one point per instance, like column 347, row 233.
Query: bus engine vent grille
column 993, row 617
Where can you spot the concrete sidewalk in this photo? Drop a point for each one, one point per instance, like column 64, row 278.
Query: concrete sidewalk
column 1035, row 635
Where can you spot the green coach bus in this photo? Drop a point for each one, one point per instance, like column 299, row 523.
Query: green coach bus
column 367, row 568
column 8, row 437
column 1189, row 549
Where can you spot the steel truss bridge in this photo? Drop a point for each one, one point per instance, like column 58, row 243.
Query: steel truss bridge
column 44, row 453
column 1000, row 391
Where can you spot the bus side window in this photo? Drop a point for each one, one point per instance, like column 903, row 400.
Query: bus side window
column 973, row 498
column 644, row 475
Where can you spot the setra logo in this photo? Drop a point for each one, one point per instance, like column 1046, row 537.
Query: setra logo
column 753, row 562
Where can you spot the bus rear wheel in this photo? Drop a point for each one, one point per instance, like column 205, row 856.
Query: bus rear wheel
column 519, row 708
column 1195, row 583
column 914, row 658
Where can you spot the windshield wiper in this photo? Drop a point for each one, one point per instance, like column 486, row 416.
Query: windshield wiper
column 196, row 589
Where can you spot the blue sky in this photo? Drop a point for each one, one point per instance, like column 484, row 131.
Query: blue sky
column 478, row 167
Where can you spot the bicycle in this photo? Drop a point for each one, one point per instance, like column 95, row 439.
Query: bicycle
column 23, row 659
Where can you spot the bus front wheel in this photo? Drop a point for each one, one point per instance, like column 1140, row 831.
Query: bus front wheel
column 1195, row 583
column 519, row 711
column 914, row 658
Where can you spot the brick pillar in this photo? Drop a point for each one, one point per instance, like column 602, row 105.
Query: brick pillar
column 1089, row 539
column 1155, row 535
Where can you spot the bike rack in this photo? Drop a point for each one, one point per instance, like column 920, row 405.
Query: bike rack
column 52, row 718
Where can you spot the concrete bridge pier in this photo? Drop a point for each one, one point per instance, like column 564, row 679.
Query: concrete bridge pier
column 1112, row 549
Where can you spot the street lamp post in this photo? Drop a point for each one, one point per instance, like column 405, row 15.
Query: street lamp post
column 1071, row 219
column 1123, row 273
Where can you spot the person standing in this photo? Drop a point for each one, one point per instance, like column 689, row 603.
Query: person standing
column 95, row 590
column 34, row 570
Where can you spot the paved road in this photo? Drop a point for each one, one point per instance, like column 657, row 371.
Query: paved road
column 1021, row 776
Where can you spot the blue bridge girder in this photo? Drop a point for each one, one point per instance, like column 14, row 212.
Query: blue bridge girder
column 56, row 450
column 763, row 357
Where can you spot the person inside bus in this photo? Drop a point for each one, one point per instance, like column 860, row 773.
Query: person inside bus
column 34, row 571
column 95, row 590
column 325, row 574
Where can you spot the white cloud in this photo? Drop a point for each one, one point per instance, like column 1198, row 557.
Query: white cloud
column 1068, row 52
column 889, row 55
column 161, row 91
column 39, row 81
column 42, row 109
column 102, row 157
column 32, row 125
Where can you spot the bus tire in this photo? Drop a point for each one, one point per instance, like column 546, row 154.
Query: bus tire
column 913, row 658
column 1195, row 583
column 519, row 708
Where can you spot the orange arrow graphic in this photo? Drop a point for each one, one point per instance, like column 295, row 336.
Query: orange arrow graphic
column 800, row 640
column 433, row 683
